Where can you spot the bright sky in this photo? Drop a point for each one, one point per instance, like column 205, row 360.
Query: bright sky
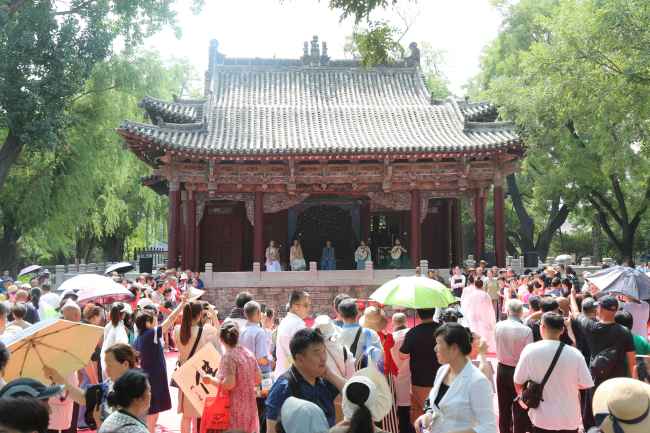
column 278, row 28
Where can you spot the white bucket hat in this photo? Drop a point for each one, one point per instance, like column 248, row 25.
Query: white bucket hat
column 622, row 405
column 325, row 325
column 379, row 398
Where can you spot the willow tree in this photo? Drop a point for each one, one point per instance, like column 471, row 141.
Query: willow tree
column 49, row 49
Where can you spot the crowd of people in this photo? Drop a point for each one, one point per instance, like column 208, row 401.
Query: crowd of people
column 558, row 356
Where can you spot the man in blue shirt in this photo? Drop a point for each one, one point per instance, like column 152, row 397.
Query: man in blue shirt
column 308, row 378
column 254, row 338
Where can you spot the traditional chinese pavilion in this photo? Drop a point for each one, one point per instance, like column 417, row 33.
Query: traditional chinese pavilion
column 316, row 149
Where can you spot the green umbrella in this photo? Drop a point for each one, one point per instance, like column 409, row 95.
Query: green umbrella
column 414, row 292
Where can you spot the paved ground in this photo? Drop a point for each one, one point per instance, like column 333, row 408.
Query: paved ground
column 170, row 421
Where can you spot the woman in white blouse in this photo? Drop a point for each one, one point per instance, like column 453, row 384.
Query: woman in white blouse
column 461, row 398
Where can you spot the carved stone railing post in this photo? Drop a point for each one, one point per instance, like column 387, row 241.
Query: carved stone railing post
column 424, row 267
column 59, row 275
column 208, row 276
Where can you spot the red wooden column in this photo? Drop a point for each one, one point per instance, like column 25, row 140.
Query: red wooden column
column 456, row 232
column 499, row 224
column 364, row 217
column 190, row 229
column 479, row 226
column 173, row 224
column 414, row 246
column 258, row 229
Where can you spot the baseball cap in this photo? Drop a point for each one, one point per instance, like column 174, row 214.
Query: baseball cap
column 26, row 387
column 608, row 303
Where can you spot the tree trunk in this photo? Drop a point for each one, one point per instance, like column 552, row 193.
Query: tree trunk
column 606, row 209
column 113, row 248
column 596, row 240
column 9, row 153
column 8, row 248
column 627, row 252
column 558, row 216
column 526, row 223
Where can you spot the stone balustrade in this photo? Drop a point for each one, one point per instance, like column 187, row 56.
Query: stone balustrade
column 313, row 277
column 61, row 273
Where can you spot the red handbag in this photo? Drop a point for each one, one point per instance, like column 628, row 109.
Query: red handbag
column 216, row 412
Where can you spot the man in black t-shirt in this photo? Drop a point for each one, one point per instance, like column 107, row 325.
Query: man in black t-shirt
column 549, row 305
column 609, row 343
column 420, row 344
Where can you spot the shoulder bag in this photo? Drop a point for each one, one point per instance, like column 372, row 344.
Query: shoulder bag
column 178, row 363
column 531, row 396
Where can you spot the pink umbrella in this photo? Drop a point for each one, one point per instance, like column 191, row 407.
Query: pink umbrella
column 96, row 288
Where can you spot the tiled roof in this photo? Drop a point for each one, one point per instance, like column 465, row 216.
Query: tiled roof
column 476, row 111
column 179, row 111
column 284, row 108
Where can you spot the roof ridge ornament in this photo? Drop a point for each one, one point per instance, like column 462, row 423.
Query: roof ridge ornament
column 413, row 59
column 316, row 56
column 214, row 58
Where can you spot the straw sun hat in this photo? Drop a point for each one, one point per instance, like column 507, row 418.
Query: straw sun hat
column 622, row 405
column 373, row 318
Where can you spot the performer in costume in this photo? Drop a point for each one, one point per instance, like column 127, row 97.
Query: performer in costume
column 273, row 258
column 328, row 258
column 296, row 257
column 362, row 255
column 397, row 255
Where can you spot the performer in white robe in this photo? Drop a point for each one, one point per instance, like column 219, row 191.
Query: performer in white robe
column 479, row 315
column 362, row 255
column 296, row 257
column 273, row 258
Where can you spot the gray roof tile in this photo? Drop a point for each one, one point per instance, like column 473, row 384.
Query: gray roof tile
column 289, row 109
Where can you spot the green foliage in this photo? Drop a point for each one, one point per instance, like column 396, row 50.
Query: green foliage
column 87, row 192
column 51, row 125
column 49, row 49
column 359, row 9
column 431, row 61
column 377, row 44
column 574, row 75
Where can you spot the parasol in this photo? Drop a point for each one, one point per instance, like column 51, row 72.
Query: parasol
column 622, row 280
column 120, row 268
column 29, row 270
column 414, row 292
column 63, row 345
column 95, row 288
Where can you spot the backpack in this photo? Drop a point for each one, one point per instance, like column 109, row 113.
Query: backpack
column 603, row 364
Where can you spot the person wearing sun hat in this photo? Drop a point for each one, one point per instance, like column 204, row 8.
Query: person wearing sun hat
column 367, row 399
column 302, row 416
column 622, row 405
column 26, row 387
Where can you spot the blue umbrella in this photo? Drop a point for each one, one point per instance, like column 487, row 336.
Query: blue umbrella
column 622, row 280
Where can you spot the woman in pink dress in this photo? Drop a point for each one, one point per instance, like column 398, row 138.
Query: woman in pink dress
column 239, row 375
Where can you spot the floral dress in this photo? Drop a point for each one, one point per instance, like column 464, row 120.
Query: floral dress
column 241, row 363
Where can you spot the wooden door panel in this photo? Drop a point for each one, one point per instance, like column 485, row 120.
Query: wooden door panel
column 221, row 238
